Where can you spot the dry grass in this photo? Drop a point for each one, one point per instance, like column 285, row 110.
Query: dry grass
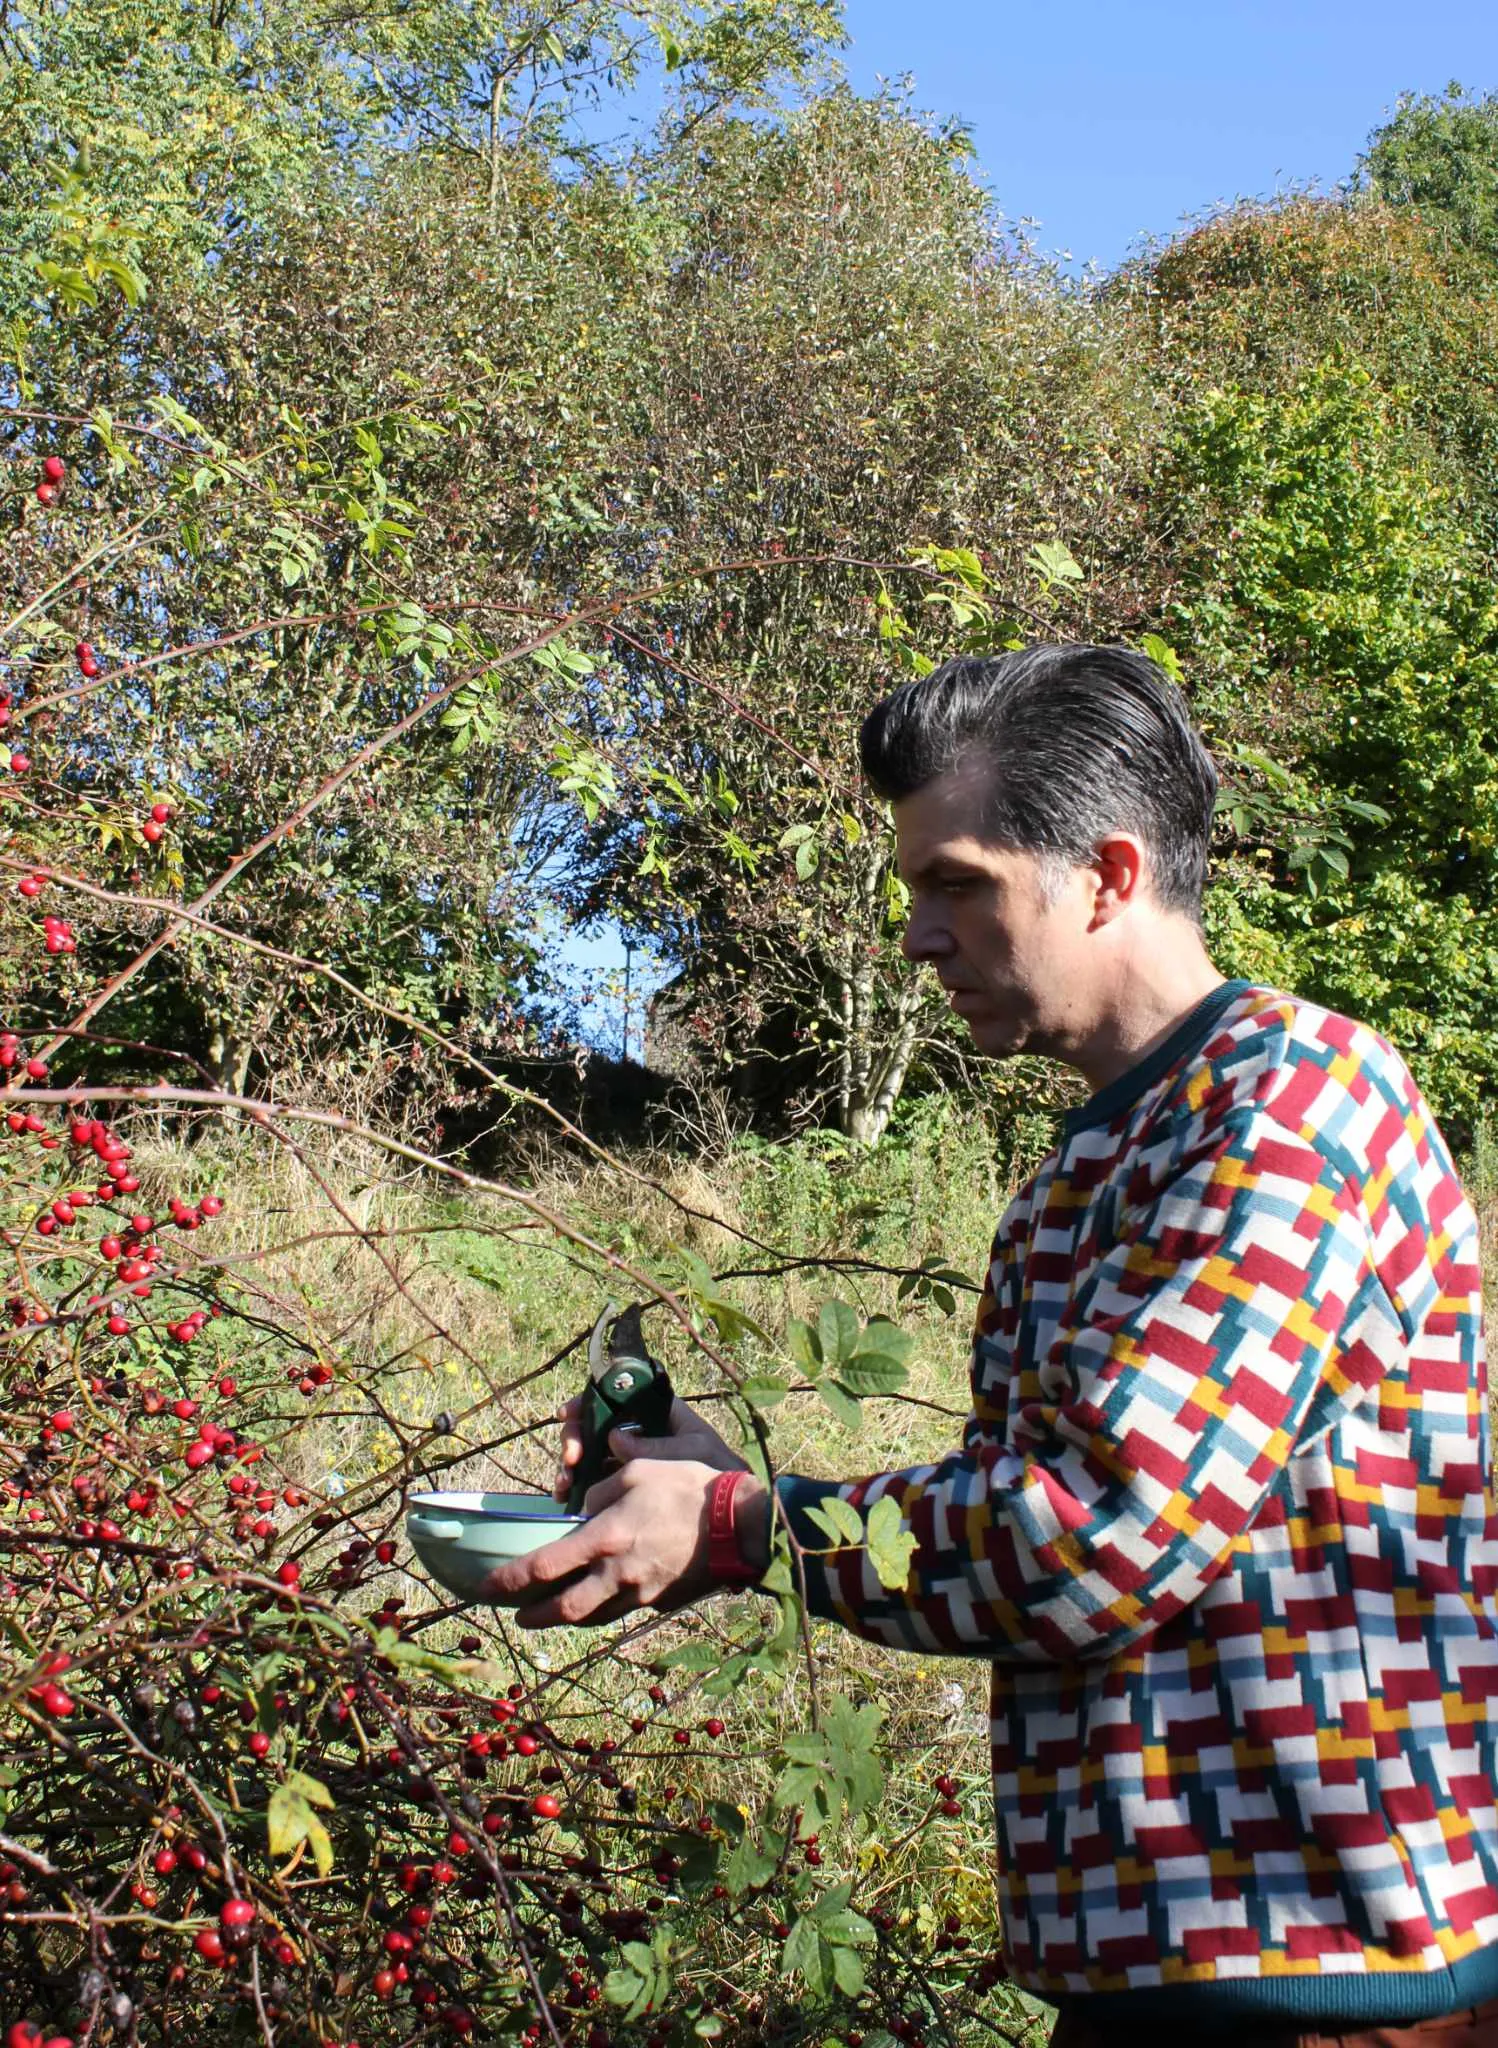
column 451, row 1305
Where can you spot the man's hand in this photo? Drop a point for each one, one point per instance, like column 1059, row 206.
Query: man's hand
column 690, row 1438
column 645, row 1544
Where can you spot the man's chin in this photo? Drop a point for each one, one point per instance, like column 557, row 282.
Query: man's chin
column 997, row 1038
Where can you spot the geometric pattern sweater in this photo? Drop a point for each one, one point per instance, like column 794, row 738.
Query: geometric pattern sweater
column 1222, row 1519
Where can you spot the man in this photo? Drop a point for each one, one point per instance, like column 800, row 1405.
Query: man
column 1221, row 1516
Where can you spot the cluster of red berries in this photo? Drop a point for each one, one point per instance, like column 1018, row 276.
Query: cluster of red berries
column 133, row 1253
column 87, row 660
column 26, row 2033
column 54, row 469
column 57, row 935
column 53, row 1699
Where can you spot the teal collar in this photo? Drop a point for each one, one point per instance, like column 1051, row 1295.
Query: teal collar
column 1120, row 1094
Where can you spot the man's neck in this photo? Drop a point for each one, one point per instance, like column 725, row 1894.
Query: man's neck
column 1152, row 999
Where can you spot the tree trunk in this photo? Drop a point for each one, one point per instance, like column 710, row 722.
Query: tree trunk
column 229, row 1059
column 496, row 93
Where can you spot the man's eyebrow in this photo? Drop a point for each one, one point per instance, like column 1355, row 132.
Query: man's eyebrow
column 942, row 865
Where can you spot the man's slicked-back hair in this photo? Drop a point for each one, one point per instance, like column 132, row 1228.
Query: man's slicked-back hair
column 1074, row 741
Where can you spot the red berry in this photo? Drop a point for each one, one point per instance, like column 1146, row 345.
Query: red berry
column 24, row 2034
column 20, row 763
column 151, row 831
column 546, row 1806
column 45, row 493
column 289, row 1574
column 713, row 1728
column 236, row 1912
column 37, row 1069
column 54, row 469
column 209, row 1945
column 259, row 1743
column 385, row 1552
column 161, row 813
column 62, row 1420
column 526, row 1745
column 198, row 1455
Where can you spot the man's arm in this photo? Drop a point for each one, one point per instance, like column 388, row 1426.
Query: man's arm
column 1240, row 1315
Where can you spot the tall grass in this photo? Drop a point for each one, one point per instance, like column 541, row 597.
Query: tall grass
column 453, row 1296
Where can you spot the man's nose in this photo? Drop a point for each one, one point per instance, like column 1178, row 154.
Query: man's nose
column 924, row 937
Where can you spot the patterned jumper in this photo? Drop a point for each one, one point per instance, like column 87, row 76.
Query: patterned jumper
column 1222, row 1521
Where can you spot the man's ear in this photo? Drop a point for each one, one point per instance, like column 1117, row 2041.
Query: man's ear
column 1120, row 866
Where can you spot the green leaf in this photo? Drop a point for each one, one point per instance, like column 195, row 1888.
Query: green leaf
column 778, row 1578
column 841, row 1404
column 872, row 1373
column 837, row 1328
column 839, row 1519
column 1162, row 654
column 891, row 1545
column 805, row 1346
column 808, row 854
column 847, row 1929
column 847, row 1970
column 763, row 1390
column 691, row 1657
column 1055, row 562
column 414, row 1658
column 803, row 1952
column 748, row 1866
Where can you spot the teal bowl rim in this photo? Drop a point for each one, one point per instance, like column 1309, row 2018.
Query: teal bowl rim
column 446, row 1504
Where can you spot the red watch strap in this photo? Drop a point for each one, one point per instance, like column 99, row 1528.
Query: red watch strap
column 724, row 1558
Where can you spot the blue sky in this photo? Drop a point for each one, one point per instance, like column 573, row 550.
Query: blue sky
column 1109, row 119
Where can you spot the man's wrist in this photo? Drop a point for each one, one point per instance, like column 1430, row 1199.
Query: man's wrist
column 753, row 1515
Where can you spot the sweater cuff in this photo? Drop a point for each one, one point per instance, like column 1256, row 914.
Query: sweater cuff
column 795, row 1496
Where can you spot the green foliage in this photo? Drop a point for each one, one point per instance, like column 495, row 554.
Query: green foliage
column 1338, row 610
column 1440, row 154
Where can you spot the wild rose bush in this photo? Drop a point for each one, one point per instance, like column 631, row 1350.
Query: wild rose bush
column 255, row 1783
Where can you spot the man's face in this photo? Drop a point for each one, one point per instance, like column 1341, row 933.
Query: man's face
column 1015, row 965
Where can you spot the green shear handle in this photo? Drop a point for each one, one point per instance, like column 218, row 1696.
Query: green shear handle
column 626, row 1389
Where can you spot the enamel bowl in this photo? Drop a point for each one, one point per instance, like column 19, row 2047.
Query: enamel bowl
column 462, row 1537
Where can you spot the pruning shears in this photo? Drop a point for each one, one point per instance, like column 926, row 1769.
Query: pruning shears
column 626, row 1389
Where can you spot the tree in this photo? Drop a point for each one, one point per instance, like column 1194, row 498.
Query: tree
column 1440, row 155
column 1343, row 633
column 844, row 364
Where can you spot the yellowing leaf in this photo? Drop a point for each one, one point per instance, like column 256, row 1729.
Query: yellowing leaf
column 291, row 1821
